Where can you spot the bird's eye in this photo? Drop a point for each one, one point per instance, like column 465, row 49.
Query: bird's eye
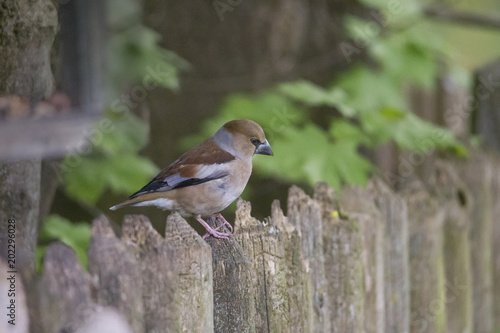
column 255, row 142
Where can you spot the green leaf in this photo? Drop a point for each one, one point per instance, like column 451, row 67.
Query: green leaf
column 122, row 173
column 126, row 134
column 75, row 235
column 136, row 60
column 309, row 155
column 346, row 131
column 368, row 90
column 275, row 113
column 84, row 180
column 126, row 173
column 113, row 162
column 405, row 58
column 351, row 166
column 392, row 113
column 313, row 95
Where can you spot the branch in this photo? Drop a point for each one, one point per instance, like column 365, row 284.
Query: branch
column 463, row 18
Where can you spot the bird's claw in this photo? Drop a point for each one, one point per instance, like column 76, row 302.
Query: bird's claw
column 216, row 234
column 230, row 227
column 213, row 232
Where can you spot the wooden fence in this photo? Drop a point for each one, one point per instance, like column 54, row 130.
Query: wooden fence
column 424, row 259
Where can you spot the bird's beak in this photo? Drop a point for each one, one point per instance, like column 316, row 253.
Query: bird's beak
column 264, row 149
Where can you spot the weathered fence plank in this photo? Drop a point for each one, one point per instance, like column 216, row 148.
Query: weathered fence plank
column 496, row 240
column 455, row 199
column 396, row 264
column 342, row 246
column 234, row 293
column 359, row 204
column 116, row 274
column 159, row 273
column 477, row 173
column 264, row 245
column 427, row 275
column 64, row 301
column 298, row 283
column 305, row 214
column 194, row 263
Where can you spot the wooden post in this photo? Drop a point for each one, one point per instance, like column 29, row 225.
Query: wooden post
column 342, row 247
column 234, row 293
column 396, row 268
column 477, row 173
column 260, row 244
column 297, row 279
column 64, row 298
column 157, row 260
column 116, row 274
column 496, row 240
column 359, row 205
column 277, row 276
column 454, row 197
column 194, row 263
column 305, row 215
column 427, row 274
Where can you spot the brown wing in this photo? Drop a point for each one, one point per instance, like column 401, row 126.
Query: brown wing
column 201, row 164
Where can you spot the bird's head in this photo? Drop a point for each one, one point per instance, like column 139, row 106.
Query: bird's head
column 243, row 138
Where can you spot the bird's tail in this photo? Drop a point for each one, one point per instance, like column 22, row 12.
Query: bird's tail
column 159, row 200
column 125, row 203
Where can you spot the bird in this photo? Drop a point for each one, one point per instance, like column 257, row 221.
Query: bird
column 207, row 178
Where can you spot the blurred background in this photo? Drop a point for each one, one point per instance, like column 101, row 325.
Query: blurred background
column 343, row 89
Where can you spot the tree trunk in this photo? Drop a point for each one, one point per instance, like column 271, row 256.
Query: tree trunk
column 27, row 30
column 20, row 195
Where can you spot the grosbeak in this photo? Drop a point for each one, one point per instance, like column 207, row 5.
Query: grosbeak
column 207, row 178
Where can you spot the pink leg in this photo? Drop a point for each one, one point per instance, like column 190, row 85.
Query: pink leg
column 219, row 215
column 212, row 231
column 206, row 235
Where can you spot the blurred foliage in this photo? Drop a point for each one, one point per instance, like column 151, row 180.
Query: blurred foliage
column 134, row 51
column 75, row 235
column 114, row 162
column 136, row 63
column 367, row 103
column 111, row 161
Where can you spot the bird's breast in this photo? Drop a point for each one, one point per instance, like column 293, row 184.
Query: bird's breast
column 214, row 196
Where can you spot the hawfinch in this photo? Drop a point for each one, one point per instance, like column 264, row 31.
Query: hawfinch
column 207, row 178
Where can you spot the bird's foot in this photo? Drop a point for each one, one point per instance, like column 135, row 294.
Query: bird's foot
column 207, row 234
column 213, row 232
column 230, row 227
